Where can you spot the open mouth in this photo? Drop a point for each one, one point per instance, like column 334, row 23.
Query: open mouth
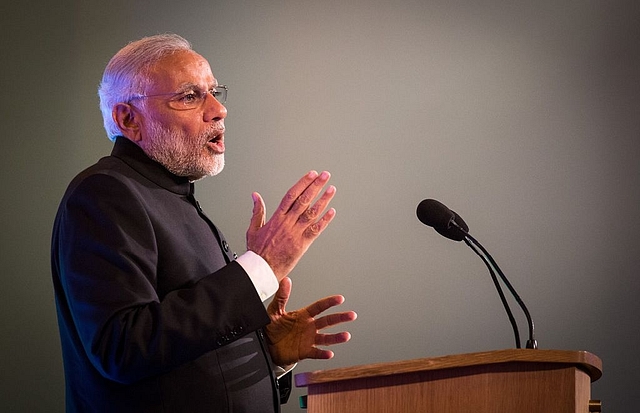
column 217, row 142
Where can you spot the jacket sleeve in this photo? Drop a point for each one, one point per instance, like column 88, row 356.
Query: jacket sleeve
column 107, row 261
column 285, row 384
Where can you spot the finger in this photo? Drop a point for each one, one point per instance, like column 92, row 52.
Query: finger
column 310, row 214
column 315, row 229
column 324, row 304
column 259, row 212
column 295, row 191
column 335, row 319
column 331, row 339
column 316, row 353
column 303, row 201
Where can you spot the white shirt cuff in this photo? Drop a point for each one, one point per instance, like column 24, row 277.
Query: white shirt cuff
column 281, row 371
column 260, row 273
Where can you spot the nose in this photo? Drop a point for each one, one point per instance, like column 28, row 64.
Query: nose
column 214, row 110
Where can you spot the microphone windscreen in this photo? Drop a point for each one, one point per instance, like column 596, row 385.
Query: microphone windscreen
column 434, row 214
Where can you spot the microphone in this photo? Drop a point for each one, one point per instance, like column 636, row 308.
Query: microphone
column 450, row 225
column 445, row 221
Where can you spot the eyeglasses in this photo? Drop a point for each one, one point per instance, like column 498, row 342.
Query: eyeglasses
column 191, row 98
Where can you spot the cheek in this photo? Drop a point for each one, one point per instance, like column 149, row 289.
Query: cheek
column 176, row 119
column 191, row 126
column 186, row 125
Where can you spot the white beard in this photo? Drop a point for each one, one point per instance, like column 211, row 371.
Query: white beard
column 183, row 155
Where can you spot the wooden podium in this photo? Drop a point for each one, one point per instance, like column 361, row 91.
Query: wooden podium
column 501, row 381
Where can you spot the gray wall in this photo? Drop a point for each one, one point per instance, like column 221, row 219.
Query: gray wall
column 521, row 116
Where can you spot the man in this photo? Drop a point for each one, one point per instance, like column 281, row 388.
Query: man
column 156, row 313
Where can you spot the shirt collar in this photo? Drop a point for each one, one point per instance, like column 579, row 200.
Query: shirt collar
column 134, row 156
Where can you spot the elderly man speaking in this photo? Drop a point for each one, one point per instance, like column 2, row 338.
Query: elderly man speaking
column 156, row 312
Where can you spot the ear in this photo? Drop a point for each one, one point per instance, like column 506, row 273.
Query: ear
column 128, row 120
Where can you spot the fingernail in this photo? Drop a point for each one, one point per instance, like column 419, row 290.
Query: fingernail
column 325, row 175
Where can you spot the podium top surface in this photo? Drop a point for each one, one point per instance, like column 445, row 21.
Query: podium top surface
column 584, row 360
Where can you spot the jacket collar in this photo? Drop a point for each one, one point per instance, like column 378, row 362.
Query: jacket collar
column 134, row 156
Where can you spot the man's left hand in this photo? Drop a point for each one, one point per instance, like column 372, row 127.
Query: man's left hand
column 294, row 335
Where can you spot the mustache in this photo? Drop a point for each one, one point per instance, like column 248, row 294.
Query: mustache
column 213, row 132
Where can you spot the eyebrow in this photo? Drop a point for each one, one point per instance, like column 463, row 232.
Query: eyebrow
column 188, row 86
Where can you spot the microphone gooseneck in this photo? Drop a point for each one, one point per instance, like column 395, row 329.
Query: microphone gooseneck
column 450, row 225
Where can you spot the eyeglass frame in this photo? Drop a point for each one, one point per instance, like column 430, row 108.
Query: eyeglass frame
column 216, row 89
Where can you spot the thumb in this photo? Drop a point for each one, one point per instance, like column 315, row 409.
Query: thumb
column 259, row 214
column 281, row 298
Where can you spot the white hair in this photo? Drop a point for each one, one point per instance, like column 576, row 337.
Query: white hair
column 126, row 74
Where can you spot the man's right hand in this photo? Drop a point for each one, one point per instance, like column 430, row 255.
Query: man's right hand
column 294, row 226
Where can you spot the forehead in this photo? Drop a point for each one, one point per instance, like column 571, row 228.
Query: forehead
column 179, row 69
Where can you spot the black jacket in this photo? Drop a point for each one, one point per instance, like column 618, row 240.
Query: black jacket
column 154, row 314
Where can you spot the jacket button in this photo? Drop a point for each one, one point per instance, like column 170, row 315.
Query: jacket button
column 225, row 246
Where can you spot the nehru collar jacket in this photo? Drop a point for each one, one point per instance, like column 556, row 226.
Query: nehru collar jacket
column 154, row 314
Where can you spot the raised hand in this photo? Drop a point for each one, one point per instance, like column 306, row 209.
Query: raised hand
column 293, row 226
column 294, row 335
